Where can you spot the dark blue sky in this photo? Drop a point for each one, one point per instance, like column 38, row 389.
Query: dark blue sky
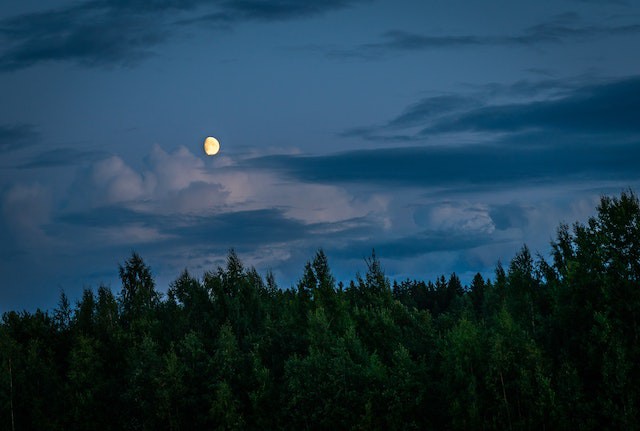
column 442, row 134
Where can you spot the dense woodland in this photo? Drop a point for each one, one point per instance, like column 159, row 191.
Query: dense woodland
column 542, row 345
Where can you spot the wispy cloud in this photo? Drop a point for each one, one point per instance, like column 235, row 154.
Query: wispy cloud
column 438, row 109
column 17, row 136
column 234, row 11
column 123, row 33
column 90, row 33
column 61, row 157
column 547, row 111
column 612, row 107
column 431, row 108
column 561, row 28
column 417, row 244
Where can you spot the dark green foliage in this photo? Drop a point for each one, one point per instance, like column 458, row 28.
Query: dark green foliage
column 541, row 346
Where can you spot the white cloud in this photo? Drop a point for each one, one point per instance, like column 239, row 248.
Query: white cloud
column 457, row 217
column 181, row 183
column 112, row 181
column 176, row 171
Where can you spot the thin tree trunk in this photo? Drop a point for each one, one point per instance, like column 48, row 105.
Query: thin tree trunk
column 13, row 425
column 506, row 403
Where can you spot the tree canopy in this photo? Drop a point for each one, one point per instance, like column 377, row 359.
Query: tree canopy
column 542, row 345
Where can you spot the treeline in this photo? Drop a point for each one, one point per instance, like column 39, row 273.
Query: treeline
column 542, row 345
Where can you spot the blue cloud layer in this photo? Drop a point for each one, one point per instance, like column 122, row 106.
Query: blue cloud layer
column 609, row 107
column 510, row 162
column 17, row 136
column 560, row 29
column 124, row 32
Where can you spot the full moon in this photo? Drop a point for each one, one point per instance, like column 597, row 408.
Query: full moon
column 211, row 146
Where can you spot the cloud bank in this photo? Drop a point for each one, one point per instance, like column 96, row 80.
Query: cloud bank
column 562, row 28
column 123, row 33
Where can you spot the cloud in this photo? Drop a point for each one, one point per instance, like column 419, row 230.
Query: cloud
column 431, row 108
column 89, row 33
column 242, row 228
column 550, row 111
column 399, row 40
column 27, row 209
column 113, row 181
column 459, row 217
column 275, row 220
column 123, row 33
column 185, row 211
column 223, row 230
column 514, row 160
column 264, row 10
column 605, row 2
column 417, row 244
column 559, row 29
column 17, row 136
column 173, row 182
column 506, row 216
column 178, row 170
column 61, row 157
column 612, row 107
column 435, row 110
column 177, row 193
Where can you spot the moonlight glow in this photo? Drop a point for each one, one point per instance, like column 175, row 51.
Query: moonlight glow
column 211, row 146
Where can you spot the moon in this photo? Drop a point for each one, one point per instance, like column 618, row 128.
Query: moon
column 211, row 146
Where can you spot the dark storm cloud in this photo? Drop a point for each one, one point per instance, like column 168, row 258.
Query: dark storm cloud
column 17, row 136
column 560, row 29
column 90, row 34
column 98, row 33
column 259, row 227
column 240, row 228
column 418, row 244
column 581, row 132
column 252, row 227
column 243, row 230
column 235, row 228
column 517, row 160
column 62, row 157
column 439, row 109
column 506, row 216
column 610, row 107
column 577, row 108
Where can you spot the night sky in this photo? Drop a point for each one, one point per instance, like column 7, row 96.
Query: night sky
column 444, row 134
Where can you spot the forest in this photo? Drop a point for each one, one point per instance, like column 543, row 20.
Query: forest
column 546, row 343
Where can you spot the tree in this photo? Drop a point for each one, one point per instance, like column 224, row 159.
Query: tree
column 374, row 290
column 523, row 294
column 476, row 293
column 226, row 409
column 598, row 308
column 138, row 295
column 84, row 316
column 62, row 314
column 84, row 380
column 462, row 370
